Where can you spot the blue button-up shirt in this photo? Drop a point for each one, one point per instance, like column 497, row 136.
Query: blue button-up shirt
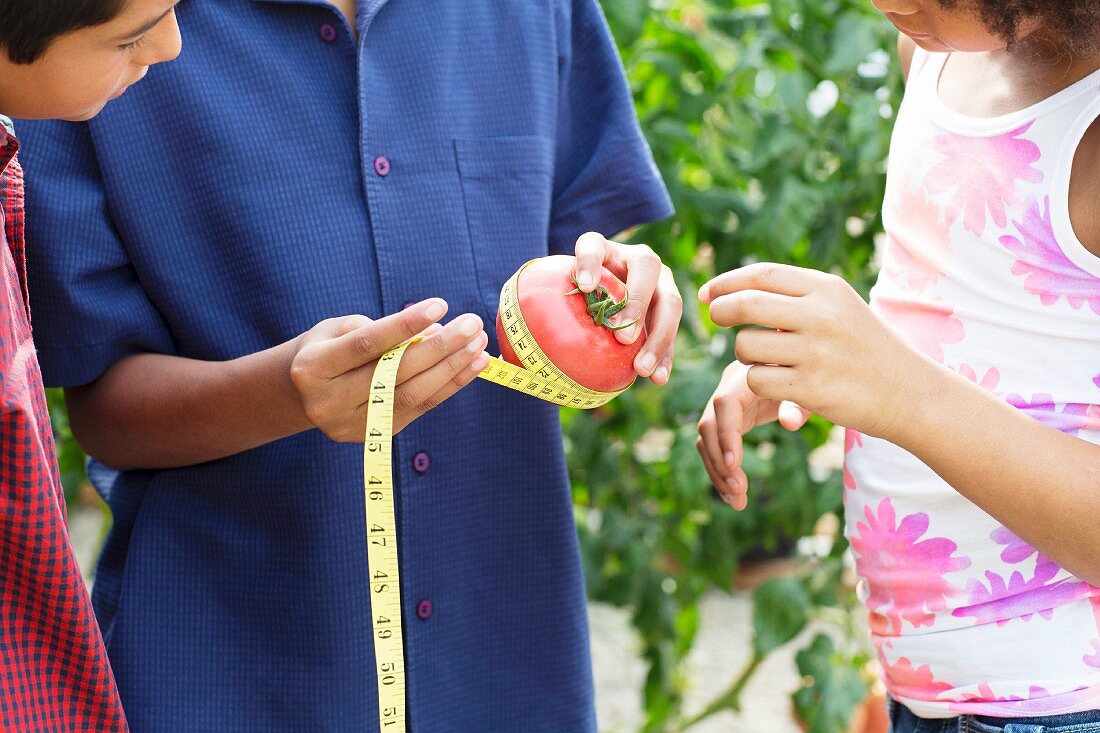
column 279, row 173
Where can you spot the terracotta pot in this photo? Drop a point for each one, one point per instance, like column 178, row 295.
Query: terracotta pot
column 874, row 714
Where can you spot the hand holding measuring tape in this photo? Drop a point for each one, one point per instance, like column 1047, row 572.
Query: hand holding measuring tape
column 335, row 362
column 528, row 369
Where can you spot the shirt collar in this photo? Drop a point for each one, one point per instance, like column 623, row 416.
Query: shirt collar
column 8, row 144
column 367, row 9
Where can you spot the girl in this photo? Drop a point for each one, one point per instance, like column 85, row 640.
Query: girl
column 970, row 387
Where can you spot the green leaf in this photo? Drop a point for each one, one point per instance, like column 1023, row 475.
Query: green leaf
column 626, row 18
column 835, row 687
column 854, row 38
column 780, row 612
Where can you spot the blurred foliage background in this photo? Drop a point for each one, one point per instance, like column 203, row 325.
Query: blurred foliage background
column 770, row 122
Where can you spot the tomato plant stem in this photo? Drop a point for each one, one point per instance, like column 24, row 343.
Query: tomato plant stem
column 728, row 700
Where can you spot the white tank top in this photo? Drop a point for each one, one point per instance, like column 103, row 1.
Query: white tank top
column 983, row 272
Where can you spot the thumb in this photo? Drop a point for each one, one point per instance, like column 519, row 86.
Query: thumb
column 791, row 416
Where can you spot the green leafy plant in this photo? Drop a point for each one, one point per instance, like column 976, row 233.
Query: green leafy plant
column 70, row 458
column 770, row 123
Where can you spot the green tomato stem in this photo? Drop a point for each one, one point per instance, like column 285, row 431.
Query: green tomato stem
column 602, row 307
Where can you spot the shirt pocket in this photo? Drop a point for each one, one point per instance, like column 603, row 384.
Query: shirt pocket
column 507, row 190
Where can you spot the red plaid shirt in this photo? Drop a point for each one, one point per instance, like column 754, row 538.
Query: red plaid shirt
column 54, row 674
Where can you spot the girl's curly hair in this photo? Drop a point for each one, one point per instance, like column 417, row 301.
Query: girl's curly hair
column 1075, row 23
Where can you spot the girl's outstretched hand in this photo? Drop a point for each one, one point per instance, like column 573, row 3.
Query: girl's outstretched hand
column 821, row 346
column 733, row 411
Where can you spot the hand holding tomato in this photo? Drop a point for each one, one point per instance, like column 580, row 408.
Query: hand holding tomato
column 334, row 363
column 821, row 347
column 655, row 304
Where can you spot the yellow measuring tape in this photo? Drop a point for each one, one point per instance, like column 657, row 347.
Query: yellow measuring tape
column 538, row 378
column 382, row 564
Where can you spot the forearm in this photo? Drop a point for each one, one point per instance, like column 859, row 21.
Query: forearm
column 1041, row 484
column 155, row 411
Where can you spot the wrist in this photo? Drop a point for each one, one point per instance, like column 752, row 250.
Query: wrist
column 920, row 398
column 265, row 378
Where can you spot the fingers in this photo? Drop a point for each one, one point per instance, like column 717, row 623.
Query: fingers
column 791, row 416
column 771, row 382
column 453, row 346
column 432, row 349
column 644, row 271
column 431, row 388
column 710, row 449
column 335, row 327
column 665, row 311
column 735, row 497
column 720, row 444
column 664, row 369
column 765, row 346
column 366, row 343
column 766, row 276
column 729, row 419
column 740, row 500
column 591, row 252
column 758, row 308
column 717, row 480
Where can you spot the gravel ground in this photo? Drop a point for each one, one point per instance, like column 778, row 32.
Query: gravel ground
column 721, row 650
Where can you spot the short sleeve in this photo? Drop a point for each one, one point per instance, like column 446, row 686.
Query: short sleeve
column 88, row 308
column 605, row 179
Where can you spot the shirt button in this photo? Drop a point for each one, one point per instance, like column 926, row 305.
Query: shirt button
column 421, row 462
column 382, row 166
column 328, row 33
column 424, row 609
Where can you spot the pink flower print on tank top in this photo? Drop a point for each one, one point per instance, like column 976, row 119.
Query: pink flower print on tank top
column 985, row 694
column 928, row 326
column 905, row 574
column 909, row 681
column 1004, row 600
column 1069, row 418
column 852, row 440
column 1093, row 660
column 919, row 244
column 988, row 382
column 987, row 185
column 1016, row 550
column 1047, row 272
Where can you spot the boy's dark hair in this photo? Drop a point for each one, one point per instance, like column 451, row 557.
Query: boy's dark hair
column 1074, row 23
column 27, row 27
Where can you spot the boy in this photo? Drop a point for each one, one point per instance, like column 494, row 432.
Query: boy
column 354, row 157
column 64, row 60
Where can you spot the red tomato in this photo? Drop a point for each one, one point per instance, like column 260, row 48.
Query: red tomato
column 583, row 349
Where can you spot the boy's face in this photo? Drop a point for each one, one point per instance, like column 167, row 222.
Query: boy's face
column 936, row 28
column 84, row 69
